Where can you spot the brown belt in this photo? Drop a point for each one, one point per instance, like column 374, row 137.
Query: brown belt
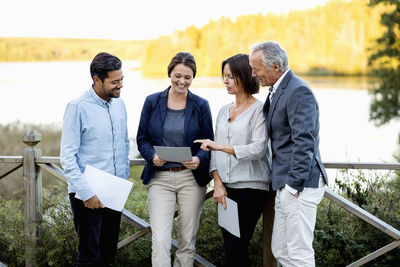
column 174, row 169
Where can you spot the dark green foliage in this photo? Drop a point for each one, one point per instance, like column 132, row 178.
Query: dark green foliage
column 386, row 62
column 12, row 240
column 340, row 238
column 137, row 253
column 209, row 243
column 58, row 241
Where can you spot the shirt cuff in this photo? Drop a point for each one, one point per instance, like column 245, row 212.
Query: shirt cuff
column 85, row 194
column 291, row 189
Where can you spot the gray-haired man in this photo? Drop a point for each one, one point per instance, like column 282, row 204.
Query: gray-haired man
column 298, row 174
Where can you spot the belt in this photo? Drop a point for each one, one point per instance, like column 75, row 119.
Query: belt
column 174, row 169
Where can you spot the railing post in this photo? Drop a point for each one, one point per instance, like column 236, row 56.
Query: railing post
column 32, row 177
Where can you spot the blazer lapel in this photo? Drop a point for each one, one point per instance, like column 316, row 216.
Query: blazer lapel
column 188, row 111
column 163, row 104
column 279, row 91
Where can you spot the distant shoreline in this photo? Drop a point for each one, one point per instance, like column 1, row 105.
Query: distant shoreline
column 314, row 73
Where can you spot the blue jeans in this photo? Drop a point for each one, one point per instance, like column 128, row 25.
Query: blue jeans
column 98, row 232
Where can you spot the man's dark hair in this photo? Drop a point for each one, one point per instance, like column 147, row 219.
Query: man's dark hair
column 241, row 72
column 182, row 58
column 102, row 64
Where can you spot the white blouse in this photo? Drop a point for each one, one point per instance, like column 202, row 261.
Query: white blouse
column 248, row 136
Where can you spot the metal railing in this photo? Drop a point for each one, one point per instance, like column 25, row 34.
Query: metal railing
column 33, row 163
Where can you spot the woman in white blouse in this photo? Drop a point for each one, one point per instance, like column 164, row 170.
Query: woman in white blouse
column 240, row 162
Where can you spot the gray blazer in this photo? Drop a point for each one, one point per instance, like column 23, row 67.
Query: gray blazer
column 293, row 126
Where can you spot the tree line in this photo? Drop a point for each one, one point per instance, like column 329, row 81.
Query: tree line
column 330, row 39
column 64, row 49
column 334, row 39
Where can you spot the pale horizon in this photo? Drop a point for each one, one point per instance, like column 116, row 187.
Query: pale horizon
column 127, row 19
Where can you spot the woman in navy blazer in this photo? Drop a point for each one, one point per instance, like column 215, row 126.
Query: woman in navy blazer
column 175, row 117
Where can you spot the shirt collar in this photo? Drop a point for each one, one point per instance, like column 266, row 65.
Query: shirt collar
column 98, row 99
column 278, row 82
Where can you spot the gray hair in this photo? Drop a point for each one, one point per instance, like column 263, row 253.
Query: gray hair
column 272, row 52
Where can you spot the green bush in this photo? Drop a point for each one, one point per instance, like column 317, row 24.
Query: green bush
column 340, row 238
column 12, row 238
column 58, row 242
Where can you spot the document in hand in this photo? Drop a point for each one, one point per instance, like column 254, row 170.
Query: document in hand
column 229, row 218
column 111, row 190
column 173, row 154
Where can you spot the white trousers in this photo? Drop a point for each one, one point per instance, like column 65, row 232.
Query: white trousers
column 294, row 223
column 166, row 190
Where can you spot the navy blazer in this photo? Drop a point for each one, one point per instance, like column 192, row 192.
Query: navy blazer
column 293, row 126
column 198, row 125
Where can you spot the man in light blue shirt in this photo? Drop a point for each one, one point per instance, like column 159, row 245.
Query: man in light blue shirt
column 95, row 133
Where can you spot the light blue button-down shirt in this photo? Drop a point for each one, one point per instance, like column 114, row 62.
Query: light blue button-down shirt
column 94, row 133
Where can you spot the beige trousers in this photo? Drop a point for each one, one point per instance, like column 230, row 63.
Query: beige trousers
column 293, row 230
column 167, row 190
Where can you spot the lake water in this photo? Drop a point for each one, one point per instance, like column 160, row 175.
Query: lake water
column 38, row 93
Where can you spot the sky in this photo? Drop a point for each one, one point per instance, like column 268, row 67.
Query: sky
column 126, row 19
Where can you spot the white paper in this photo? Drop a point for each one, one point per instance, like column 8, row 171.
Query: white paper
column 111, row 190
column 229, row 218
column 173, row 154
